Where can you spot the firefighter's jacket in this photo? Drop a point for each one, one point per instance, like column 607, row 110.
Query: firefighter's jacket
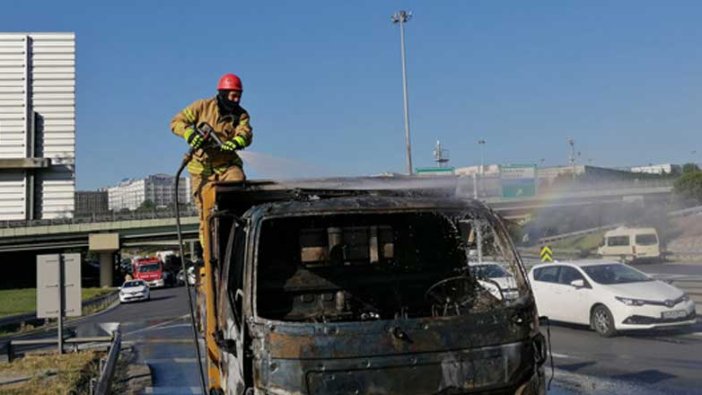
column 229, row 127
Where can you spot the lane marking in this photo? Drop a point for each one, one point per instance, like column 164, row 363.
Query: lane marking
column 172, row 390
column 158, row 341
column 171, row 360
column 155, row 326
column 557, row 355
column 173, row 326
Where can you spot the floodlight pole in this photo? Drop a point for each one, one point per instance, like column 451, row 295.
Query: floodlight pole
column 402, row 17
column 62, row 301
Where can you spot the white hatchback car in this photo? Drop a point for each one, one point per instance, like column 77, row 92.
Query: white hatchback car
column 134, row 290
column 608, row 296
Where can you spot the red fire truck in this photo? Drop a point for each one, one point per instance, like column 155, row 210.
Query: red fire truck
column 150, row 270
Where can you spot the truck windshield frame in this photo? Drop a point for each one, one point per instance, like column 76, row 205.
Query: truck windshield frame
column 334, row 249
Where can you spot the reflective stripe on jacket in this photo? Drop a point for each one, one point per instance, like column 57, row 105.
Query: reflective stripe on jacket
column 234, row 127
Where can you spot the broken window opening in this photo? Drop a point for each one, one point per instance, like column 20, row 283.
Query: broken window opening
column 355, row 267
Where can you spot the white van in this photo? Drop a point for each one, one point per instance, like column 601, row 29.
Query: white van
column 631, row 244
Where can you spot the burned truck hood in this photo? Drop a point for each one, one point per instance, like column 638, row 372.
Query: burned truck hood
column 476, row 352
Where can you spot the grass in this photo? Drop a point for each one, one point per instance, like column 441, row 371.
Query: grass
column 20, row 301
column 51, row 373
column 588, row 242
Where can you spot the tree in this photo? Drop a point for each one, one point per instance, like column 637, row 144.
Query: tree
column 147, row 205
column 689, row 185
column 690, row 168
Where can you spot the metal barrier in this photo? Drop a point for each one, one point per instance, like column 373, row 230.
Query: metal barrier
column 101, row 385
column 129, row 216
column 672, row 214
column 12, row 345
column 21, row 319
column 98, row 386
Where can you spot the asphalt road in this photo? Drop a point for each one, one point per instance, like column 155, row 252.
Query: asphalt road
column 161, row 336
column 667, row 362
column 673, row 268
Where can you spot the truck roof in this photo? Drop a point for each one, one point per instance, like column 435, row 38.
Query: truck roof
column 315, row 194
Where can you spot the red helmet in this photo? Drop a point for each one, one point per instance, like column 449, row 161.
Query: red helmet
column 230, row 82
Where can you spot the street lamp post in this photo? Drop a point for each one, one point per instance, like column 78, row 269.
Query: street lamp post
column 402, row 17
column 481, row 143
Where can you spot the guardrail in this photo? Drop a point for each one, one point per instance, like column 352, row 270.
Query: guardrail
column 672, row 214
column 551, row 239
column 13, row 345
column 98, row 386
column 130, row 216
column 22, row 319
column 685, row 212
column 102, row 384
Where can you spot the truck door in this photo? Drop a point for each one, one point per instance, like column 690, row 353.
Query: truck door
column 232, row 323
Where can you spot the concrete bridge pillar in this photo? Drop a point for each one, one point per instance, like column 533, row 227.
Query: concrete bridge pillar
column 106, row 269
column 105, row 244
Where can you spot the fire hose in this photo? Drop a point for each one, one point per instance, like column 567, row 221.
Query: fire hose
column 210, row 140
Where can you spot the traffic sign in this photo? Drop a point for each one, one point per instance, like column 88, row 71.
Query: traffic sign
column 546, row 254
column 518, row 181
column 58, row 285
column 434, row 170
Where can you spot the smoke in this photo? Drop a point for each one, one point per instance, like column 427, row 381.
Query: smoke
column 566, row 204
column 590, row 202
column 266, row 166
column 294, row 172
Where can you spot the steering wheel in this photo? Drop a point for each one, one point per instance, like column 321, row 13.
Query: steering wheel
column 451, row 293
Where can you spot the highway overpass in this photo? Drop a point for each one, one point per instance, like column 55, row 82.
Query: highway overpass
column 142, row 229
column 159, row 228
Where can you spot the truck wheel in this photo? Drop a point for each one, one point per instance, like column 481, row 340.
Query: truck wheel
column 602, row 322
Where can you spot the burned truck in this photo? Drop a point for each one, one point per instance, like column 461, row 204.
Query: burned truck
column 323, row 288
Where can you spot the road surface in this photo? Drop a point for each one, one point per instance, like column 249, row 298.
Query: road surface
column 666, row 362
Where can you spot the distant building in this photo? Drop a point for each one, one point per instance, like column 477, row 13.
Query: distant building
column 159, row 189
column 37, row 125
column 665, row 168
column 91, row 202
column 488, row 170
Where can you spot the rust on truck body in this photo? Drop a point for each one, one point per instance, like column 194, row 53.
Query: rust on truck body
column 322, row 287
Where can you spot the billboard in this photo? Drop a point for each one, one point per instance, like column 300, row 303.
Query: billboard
column 518, row 181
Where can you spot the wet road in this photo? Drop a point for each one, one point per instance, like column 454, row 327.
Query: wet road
column 666, row 362
column 160, row 334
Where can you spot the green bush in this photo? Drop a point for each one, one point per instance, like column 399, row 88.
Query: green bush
column 689, row 185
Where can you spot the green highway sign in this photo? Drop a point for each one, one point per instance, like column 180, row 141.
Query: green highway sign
column 517, row 181
column 434, row 170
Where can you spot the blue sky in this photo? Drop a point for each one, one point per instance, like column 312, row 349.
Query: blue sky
column 323, row 85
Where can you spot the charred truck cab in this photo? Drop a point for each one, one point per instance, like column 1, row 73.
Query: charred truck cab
column 323, row 290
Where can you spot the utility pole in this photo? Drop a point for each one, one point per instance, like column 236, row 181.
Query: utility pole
column 481, row 144
column 441, row 156
column 402, row 17
column 571, row 158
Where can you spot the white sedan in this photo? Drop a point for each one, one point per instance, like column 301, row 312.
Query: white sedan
column 608, row 296
column 496, row 279
column 134, row 290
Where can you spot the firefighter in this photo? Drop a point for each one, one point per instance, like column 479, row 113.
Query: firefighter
column 231, row 124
